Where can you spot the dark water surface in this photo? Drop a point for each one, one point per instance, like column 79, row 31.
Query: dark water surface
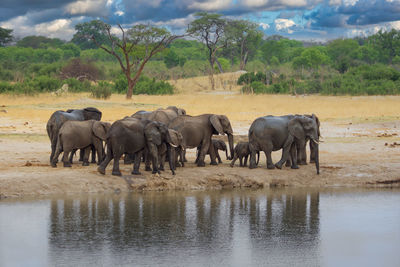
column 282, row 227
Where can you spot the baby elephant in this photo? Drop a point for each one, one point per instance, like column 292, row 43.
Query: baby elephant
column 218, row 145
column 242, row 151
column 80, row 135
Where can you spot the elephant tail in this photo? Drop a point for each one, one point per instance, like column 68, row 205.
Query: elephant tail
column 258, row 156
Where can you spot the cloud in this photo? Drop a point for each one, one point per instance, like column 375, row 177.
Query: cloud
column 264, row 26
column 210, row 5
column 88, row 8
column 284, row 25
column 355, row 12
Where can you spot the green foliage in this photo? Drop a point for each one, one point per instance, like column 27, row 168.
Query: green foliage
column 311, row 58
column 121, row 84
column 102, row 90
column 75, row 85
column 172, row 59
column 44, row 84
column 86, row 30
column 149, row 86
column 250, row 77
column 225, row 64
column 5, row 36
column 40, row 42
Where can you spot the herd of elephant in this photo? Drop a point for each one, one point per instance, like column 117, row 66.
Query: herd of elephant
column 165, row 134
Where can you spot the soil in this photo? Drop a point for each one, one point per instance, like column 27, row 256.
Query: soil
column 354, row 154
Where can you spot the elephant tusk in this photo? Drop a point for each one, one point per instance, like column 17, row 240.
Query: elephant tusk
column 316, row 141
column 173, row 145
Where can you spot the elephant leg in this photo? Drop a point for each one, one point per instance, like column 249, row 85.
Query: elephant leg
column 285, row 156
column 102, row 167
column 128, row 158
column 212, row 153
column 147, row 158
column 66, row 161
column 55, row 157
column 197, row 155
column 235, row 157
column 98, row 147
column 71, row 156
column 116, row 155
column 136, row 164
column 293, row 155
column 241, row 161
column 270, row 164
column 253, row 152
column 53, row 151
column 245, row 160
column 203, row 150
column 218, row 157
column 81, row 154
column 85, row 161
column 93, row 149
column 162, row 160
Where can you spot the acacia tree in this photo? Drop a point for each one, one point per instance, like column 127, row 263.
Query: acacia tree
column 209, row 29
column 244, row 39
column 135, row 49
column 5, row 36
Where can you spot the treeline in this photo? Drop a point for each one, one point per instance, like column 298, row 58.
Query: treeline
column 360, row 66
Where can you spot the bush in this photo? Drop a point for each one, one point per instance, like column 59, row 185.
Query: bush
column 249, row 77
column 120, row 85
column 149, row 86
column 77, row 86
column 6, row 87
column 44, row 84
column 102, row 90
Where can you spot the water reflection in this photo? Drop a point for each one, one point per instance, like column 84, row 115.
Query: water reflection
column 232, row 228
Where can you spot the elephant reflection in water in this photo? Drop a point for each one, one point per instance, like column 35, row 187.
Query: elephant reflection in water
column 201, row 219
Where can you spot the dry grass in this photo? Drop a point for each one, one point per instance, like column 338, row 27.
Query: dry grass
column 196, row 98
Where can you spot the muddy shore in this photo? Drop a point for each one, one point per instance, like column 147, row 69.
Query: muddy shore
column 354, row 154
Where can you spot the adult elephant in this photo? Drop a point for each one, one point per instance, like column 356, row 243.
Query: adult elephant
column 80, row 135
column 198, row 130
column 132, row 136
column 301, row 147
column 58, row 118
column 271, row 133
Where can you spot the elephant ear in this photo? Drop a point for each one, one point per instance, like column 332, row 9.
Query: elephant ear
column 152, row 133
column 91, row 113
column 296, row 128
column 175, row 138
column 216, row 123
column 100, row 130
column 181, row 111
column 314, row 117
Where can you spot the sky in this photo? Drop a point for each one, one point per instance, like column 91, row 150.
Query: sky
column 312, row 20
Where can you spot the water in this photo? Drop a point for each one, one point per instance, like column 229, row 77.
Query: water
column 282, row 227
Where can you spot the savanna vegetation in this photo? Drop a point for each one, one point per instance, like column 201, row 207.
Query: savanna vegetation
column 142, row 58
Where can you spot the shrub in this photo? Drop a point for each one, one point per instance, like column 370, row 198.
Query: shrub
column 149, row 86
column 120, row 85
column 78, row 86
column 44, row 84
column 249, row 77
column 6, row 87
column 102, row 90
column 80, row 70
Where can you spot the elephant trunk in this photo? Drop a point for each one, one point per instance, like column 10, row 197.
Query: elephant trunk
column 316, row 146
column 230, row 141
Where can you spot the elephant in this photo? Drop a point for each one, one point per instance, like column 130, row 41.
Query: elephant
column 80, row 135
column 132, row 136
column 198, row 130
column 242, row 151
column 162, row 150
column 58, row 118
column 218, row 145
column 271, row 133
column 301, row 147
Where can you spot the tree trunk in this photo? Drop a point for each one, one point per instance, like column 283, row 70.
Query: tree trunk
column 131, row 84
column 219, row 66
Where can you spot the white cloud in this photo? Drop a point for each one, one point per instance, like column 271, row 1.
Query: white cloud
column 88, row 7
column 210, row 5
column 278, row 4
column 265, row 26
column 284, row 25
column 59, row 28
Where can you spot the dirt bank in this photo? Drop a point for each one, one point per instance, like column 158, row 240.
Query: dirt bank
column 355, row 153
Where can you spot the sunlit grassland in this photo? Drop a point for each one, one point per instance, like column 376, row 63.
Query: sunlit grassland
column 195, row 97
